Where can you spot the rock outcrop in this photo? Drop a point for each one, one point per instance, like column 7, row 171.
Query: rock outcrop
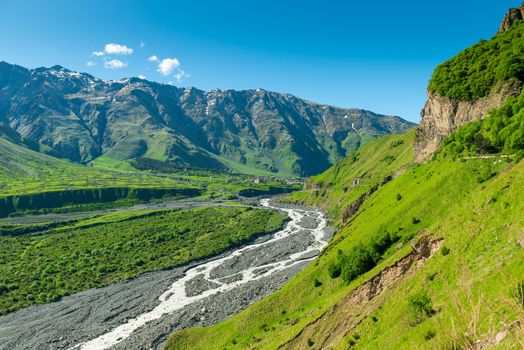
column 513, row 15
column 442, row 115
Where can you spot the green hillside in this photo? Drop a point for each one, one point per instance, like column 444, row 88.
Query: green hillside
column 32, row 182
column 427, row 256
column 474, row 206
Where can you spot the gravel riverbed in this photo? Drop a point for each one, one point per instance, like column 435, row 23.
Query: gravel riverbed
column 142, row 312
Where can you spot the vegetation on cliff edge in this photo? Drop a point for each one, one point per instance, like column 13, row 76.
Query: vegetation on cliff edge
column 474, row 72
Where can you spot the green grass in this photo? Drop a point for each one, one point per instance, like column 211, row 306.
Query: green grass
column 31, row 182
column 333, row 190
column 474, row 72
column 475, row 206
column 40, row 263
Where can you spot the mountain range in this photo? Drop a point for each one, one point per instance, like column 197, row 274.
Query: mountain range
column 84, row 119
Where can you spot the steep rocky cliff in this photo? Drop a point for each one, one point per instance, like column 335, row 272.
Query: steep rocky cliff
column 443, row 115
column 468, row 86
column 513, row 15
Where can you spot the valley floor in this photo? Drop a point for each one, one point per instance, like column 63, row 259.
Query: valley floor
column 130, row 315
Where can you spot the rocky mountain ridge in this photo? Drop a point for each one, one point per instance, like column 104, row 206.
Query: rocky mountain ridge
column 80, row 117
column 513, row 15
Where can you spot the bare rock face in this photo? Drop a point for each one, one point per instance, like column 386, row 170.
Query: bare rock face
column 443, row 115
column 513, row 15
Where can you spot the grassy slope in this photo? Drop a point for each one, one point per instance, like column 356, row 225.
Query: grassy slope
column 478, row 216
column 47, row 261
column 332, row 190
column 23, row 171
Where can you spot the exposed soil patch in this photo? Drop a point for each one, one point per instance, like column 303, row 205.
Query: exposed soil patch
column 330, row 328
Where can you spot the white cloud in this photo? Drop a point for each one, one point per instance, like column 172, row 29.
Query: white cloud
column 142, row 44
column 142, row 76
column 98, row 53
column 168, row 65
column 180, row 75
column 117, row 49
column 115, row 64
column 153, row 58
column 90, row 64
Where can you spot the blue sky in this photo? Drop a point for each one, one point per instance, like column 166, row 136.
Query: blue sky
column 377, row 55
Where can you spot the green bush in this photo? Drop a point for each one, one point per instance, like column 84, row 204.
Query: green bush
column 420, row 307
column 363, row 257
column 430, row 334
column 358, row 261
column 519, row 293
column 334, row 270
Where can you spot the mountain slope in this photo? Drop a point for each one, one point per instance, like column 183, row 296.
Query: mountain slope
column 472, row 208
column 82, row 118
column 427, row 256
column 19, row 161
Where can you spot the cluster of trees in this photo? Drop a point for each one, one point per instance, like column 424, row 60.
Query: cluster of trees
column 57, row 199
column 475, row 71
column 160, row 166
column 40, row 267
column 362, row 257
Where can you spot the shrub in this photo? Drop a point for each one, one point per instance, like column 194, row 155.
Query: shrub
column 399, row 196
column 334, row 267
column 364, row 257
column 415, row 220
column 420, row 307
column 519, row 293
column 358, row 261
column 445, row 251
column 396, row 143
column 430, row 334
column 388, row 158
column 317, row 283
column 432, row 276
column 334, row 270
column 353, row 340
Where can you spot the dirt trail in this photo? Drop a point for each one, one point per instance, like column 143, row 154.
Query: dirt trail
column 330, row 328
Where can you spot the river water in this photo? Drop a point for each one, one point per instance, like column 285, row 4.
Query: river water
column 138, row 315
